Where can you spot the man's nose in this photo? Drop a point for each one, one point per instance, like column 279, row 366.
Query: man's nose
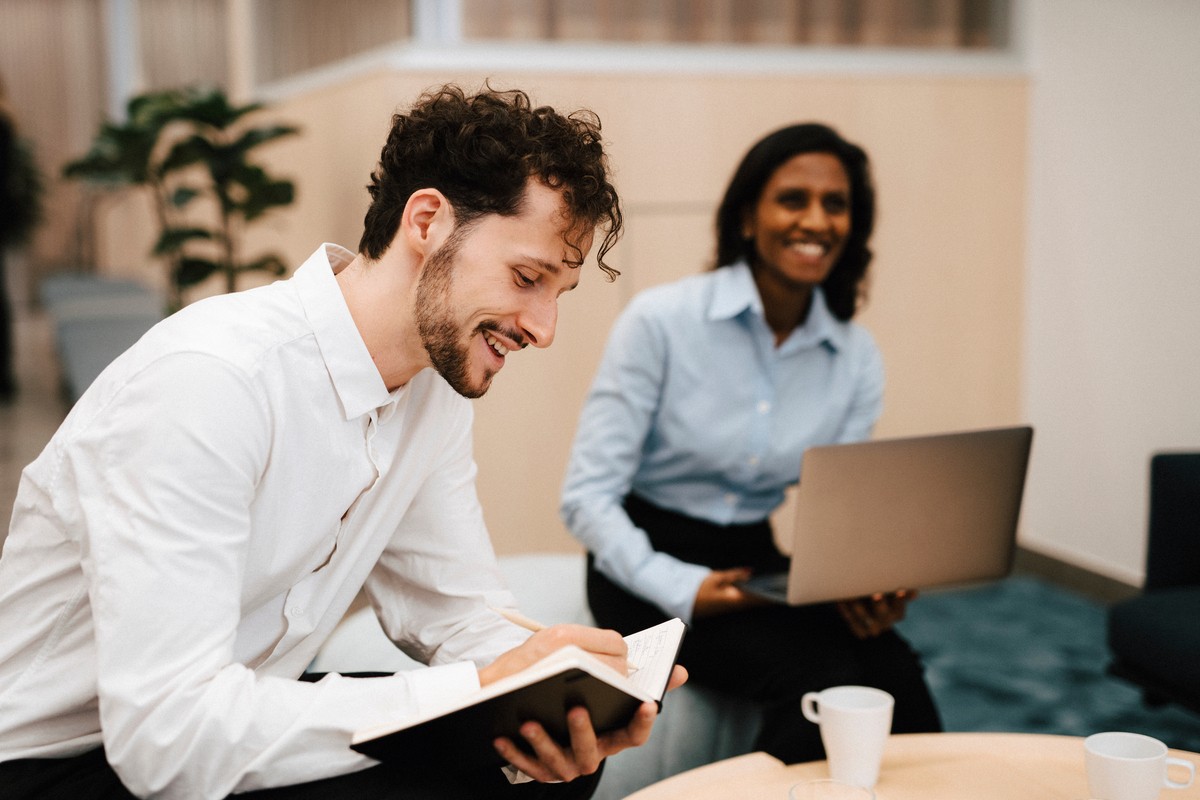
column 539, row 321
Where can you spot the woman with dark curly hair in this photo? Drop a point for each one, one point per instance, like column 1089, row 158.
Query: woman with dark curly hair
column 709, row 392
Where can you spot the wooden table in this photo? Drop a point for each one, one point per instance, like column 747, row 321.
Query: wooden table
column 928, row 766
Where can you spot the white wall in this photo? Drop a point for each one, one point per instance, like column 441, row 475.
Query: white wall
column 1112, row 368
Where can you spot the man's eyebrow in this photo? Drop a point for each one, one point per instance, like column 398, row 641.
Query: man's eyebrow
column 555, row 269
column 548, row 266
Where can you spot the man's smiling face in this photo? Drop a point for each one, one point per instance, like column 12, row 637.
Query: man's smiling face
column 493, row 287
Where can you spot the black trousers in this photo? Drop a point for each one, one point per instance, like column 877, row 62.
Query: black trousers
column 89, row 777
column 770, row 654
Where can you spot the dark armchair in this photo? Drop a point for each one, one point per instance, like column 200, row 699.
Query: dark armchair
column 1155, row 637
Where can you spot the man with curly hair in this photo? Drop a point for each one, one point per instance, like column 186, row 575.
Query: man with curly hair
column 219, row 496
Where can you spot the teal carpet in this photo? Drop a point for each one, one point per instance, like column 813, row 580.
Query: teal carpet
column 1024, row 656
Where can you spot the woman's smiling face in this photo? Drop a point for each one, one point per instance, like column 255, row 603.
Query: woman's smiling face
column 801, row 221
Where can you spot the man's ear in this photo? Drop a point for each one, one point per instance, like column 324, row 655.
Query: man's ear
column 427, row 221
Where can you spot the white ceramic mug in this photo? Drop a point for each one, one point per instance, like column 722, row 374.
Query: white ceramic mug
column 1130, row 766
column 855, row 722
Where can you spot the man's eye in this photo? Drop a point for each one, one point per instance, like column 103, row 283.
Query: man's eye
column 523, row 279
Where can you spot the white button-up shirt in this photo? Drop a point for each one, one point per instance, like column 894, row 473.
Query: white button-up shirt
column 200, row 523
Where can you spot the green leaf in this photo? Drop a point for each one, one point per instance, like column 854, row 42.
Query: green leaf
column 173, row 239
column 192, row 150
column 257, row 192
column 184, row 195
column 258, row 136
column 119, row 155
column 271, row 195
column 155, row 109
column 212, row 108
column 271, row 263
column 191, row 271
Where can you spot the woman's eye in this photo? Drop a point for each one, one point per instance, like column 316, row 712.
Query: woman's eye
column 836, row 204
column 794, row 200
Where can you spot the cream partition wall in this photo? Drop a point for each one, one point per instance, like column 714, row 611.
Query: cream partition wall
column 948, row 277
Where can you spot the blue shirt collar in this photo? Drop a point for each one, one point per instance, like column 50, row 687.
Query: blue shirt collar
column 735, row 293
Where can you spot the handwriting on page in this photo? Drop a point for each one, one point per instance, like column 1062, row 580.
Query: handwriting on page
column 651, row 654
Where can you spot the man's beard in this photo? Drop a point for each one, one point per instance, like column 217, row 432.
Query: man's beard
column 440, row 333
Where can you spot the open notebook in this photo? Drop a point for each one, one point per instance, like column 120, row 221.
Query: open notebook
column 461, row 733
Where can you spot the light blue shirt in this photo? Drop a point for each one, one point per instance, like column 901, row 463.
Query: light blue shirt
column 695, row 409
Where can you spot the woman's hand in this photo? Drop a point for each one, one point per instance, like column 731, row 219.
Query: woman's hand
column 870, row 616
column 718, row 593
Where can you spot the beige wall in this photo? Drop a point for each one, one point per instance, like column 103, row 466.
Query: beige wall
column 946, row 305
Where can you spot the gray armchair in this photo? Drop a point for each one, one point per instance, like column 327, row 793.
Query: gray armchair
column 1155, row 637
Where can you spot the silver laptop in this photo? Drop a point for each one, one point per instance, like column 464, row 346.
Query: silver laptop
column 910, row 513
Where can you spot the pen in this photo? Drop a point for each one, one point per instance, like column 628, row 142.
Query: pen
column 535, row 626
column 519, row 619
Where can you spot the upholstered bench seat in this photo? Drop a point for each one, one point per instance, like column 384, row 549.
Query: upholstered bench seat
column 1156, row 640
column 1155, row 637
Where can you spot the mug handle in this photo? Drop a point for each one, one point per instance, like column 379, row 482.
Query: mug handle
column 808, row 707
column 1189, row 766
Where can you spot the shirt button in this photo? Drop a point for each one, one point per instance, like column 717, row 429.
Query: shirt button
column 295, row 611
column 764, row 407
column 730, row 498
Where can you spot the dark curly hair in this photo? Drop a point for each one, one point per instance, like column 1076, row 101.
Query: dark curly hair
column 842, row 287
column 479, row 151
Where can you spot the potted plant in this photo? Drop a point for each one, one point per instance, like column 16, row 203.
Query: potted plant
column 191, row 149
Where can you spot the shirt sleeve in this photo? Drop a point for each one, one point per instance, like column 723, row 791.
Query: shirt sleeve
column 165, row 504
column 436, row 584
column 616, row 419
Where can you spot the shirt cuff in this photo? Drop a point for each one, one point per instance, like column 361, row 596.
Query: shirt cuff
column 436, row 687
column 671, row 584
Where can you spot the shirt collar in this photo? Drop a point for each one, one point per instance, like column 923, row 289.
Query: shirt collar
column 735, row 293
column 355, row 376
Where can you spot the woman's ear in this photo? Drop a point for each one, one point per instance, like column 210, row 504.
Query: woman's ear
column 427, row 221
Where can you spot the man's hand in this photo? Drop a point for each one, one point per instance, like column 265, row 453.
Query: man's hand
column 870, row 616
column 606, row 645
column 718, row 593
column 552, row 762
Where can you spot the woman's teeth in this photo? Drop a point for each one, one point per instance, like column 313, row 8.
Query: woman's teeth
column 499, row 348
column 810, row 249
